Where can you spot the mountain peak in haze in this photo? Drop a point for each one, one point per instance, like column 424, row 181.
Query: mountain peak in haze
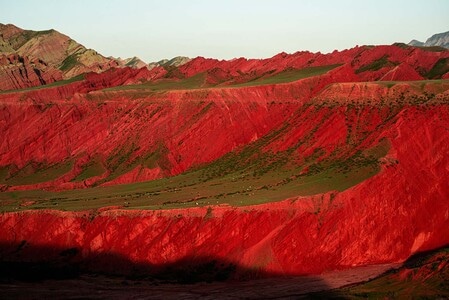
column 132, row 62
column 439, row 39
column 137, row 63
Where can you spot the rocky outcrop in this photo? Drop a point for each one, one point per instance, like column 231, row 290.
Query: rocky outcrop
column 17, row 72
column 402, row 72
column 423, row 275
column 174, row 62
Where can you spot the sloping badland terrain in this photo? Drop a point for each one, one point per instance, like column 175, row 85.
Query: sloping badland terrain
column 209, row 170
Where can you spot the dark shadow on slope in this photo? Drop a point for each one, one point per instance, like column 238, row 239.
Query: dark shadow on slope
column 419, row 258
column 25, row 268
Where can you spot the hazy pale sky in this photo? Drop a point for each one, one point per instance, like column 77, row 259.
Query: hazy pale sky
column 153, row 30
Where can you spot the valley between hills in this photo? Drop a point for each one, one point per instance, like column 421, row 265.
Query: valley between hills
column 193, row 170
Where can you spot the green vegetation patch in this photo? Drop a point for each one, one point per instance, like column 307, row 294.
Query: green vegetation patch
column 440, row 68
column 199, row 80
column 195, row 82
column 375, row 65
column 63, row 82
column 50, row 85
column 37, row 173
column 157, row 158
column 245, row 178
column 69, row 62
column 290, row 75
column 124, row 160
column 4, row 173
column 92, row 169
column 120, row 162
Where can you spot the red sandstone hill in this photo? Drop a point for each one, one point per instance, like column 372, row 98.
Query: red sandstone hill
column 31, row 58
column 296, row 164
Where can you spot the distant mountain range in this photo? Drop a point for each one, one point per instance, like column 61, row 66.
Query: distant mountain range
column 34, row 58
column 137, row 63
column 439, row 39
column 29, row 58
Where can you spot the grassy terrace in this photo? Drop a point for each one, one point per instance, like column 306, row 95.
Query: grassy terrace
column 289, row 76
column 199, row 80
column 239, row 188
column 244, row 178
column 194, row 82
column 50, row 85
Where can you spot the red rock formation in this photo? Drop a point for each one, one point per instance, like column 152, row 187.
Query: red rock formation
column 387, row 218
column 86, row 83
column 372, row 62
column 104, row 122
column 17, row 72
column 402, row 72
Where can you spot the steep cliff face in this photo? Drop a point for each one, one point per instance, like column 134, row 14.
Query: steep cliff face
column 387, row 218
column 123, row 133
column 111, row 126
column 17, row 72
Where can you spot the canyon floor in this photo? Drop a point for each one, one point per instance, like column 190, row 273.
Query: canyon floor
column 101, row 287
